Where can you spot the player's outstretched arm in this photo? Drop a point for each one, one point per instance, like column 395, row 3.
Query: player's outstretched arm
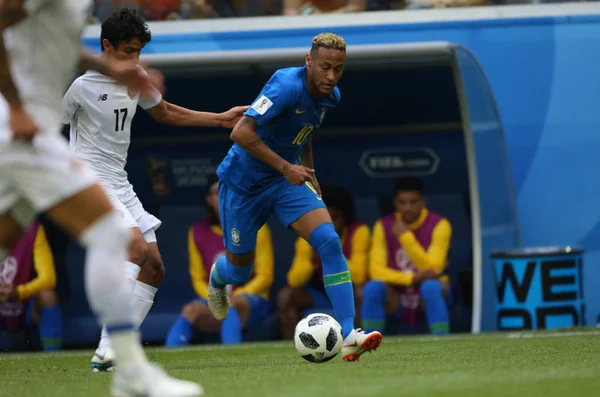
column 168, row 113
column 244, row 134
column 125, row 72
column 306, row 159
column 11, row 12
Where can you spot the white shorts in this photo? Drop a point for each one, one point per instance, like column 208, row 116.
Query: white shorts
column 37, row 176
column 126, row 201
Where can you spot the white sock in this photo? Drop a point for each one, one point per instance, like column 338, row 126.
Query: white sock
column 107, row 289
column 145, row 299
column 131, row 272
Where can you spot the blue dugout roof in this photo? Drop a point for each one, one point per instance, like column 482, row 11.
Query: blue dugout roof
column 217, row 41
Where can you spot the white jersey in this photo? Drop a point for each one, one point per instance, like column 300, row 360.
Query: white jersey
column 44, row 50
column 100, row 112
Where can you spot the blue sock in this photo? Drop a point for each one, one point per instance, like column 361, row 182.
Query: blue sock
column 336, row 276
column 180, row 333
column 373, row 312
column 435, row 307
column 50, row 328
column 225, row 273
column 231, row 328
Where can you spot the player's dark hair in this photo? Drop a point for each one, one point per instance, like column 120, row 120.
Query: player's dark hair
column 124, row 25
column 409, row 184
column 340, row 198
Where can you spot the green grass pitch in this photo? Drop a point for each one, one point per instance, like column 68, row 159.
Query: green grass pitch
column 526, row 365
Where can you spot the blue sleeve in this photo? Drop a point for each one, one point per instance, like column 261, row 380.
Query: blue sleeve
column 276, row 97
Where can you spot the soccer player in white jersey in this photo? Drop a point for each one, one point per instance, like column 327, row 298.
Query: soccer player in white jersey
column 39, row 49
column 100, row 112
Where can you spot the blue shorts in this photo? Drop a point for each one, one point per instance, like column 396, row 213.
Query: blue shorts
column 243, row 215
column 259, row 309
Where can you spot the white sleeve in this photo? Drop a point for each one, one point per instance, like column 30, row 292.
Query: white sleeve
column 71, row 102
column 150, row 99
column 33, row 6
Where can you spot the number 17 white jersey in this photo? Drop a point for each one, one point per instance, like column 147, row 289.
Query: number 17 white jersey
column 100, row 112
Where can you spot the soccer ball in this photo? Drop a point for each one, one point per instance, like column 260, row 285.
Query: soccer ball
column 318, row 338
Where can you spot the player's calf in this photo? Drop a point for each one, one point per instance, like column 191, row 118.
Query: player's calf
column 336, row 275
column 232, row 269
column 138, row 248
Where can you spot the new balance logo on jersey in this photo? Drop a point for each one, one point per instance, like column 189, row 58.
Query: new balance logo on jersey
column 102, row 97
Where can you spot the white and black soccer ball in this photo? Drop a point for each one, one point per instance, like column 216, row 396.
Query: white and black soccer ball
column 318, row 338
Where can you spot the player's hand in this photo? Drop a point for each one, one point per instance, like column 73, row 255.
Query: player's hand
column 21, row 124
column 157, row 79
column 298, row 174
column 231, row 117
column 399, row 228
column 8, row 293
column 316, row 185
column 134, row 76
column 422, row 275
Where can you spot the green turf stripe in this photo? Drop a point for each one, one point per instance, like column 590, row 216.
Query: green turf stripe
column 338, row 278
column 373, row 324
column 439, row 327
column 51, row 342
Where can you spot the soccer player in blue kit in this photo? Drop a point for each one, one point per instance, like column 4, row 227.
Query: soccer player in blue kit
column 269, row 169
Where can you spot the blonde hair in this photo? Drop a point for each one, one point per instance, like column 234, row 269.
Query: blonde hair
column 328, row 40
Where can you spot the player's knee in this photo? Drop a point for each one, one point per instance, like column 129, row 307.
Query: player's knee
column 138, row 249
column 193, row 311
column 285, row 298
column 374, row 291
column 325, row 240
column 47, row 298
column 431, row 289
column 241, row 260
column 240, row 302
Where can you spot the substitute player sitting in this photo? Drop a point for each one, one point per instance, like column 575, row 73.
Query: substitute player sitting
column 27, row 282
column 262, row 175
column 249, row 303
column 305, row 289
column 409, row 253
column 100, row 112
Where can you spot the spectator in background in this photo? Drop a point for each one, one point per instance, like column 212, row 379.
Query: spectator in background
column 308, row 7
column 305, row 288
column 249, row 303
column 408, row 256
column 27, row 282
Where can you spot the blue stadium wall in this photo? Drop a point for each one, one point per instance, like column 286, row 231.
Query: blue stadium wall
column 542, row 63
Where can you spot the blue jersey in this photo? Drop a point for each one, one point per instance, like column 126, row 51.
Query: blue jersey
column 286, row 115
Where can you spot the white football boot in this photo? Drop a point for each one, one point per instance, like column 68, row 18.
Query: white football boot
column 149, row 380
column 218, row 299
column 358, row 343
column 103, row 360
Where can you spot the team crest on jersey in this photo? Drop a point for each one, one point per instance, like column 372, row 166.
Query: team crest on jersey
column 235, row 236
column 133, row 93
